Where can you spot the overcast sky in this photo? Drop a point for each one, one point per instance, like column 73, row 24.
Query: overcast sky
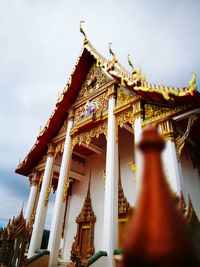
column 40, row 43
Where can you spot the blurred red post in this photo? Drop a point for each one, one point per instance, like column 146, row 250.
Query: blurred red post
column 158, row 235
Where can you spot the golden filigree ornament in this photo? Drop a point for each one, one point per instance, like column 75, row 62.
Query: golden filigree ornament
column 47, row 195
column 65, row 190
column 51, row 150
column 124, row 98
column 64, row 127
column 131, row 164
column 191, row 215
column 103, row 176
column 125, row 117
column 94, row 81
column 167, row 130
column 59, row 149
column 32, row 220
column 164, row 113
column 86, row 137
column 85, row 232
column 180, row 140
column 96, row 105
column 154, row 111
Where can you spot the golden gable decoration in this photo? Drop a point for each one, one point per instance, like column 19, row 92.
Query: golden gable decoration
column 96, row 105
column 95, row 79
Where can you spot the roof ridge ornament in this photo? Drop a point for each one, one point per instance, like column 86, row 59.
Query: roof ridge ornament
column 193, row 82
column 82, row 31
column 131, row 65
column 114, row 60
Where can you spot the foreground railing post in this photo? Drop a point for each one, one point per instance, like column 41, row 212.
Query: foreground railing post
column 158, row 235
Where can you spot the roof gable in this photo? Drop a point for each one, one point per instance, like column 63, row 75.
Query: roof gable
column 75, row 88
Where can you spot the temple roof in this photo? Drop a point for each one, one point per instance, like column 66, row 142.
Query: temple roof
column 134, row 81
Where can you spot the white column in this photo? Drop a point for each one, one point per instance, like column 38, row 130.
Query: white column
column 32, row 196
column 64, row 244
column 172, row 167
column 110, row 226
column 59, row 207
column 40, row 217
column 138, row 156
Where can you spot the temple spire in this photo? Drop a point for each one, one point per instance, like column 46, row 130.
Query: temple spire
column 124, row 208
column 88, row 190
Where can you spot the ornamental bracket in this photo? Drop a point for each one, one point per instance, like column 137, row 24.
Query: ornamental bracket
column 180, row 140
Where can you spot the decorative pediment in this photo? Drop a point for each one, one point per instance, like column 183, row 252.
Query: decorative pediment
column 95, row 79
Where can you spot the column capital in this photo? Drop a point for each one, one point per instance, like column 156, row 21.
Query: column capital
column 112, row 91
column 34, row 178
column 167, row 130
column 51, row 149
column 137, row 109
column 71, row 114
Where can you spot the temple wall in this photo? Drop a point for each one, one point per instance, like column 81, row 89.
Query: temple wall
column 97, row 164
column 126, row 153
column 191, row 181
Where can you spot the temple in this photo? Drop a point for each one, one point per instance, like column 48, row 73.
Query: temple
column 86, row 153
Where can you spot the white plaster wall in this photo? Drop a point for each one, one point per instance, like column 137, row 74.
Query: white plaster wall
column 126, row 153
column 77, row 167
column 191, row 182
column 97, row 163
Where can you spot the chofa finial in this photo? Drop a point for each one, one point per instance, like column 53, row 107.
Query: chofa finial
column 82, row 31
column 114, row 60
column 193, row 82
column 130, row 64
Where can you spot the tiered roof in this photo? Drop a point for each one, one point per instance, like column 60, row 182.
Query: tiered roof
column 134, row 81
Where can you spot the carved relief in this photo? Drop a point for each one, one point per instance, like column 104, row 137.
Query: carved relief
column 163, row 113
column 98, row 104
column 154, row 110
column 59, row 149
column 124, row 97
column 124, row 117
column 167, row 130
column 34, row 179
column 64, row 127
column 47, row 195
column 124, row 210
column 32, row 220
column 86, row 137
column 95, row 79
column 180, row 140
column 83, row 245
